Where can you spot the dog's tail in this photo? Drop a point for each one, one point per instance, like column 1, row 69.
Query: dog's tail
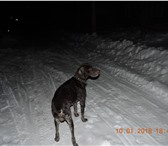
column 58, row 113
column 61, row 116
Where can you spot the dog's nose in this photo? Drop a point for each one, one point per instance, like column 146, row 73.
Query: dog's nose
column 98, row 71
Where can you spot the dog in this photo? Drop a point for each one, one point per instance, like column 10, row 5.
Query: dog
column 69, row 94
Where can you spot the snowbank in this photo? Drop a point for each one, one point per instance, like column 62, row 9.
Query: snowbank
column 144, row 66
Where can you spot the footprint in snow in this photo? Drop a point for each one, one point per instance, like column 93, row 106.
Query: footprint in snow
column 118, row 117
column 88, row 126
column 6, row 139
column 106, row 143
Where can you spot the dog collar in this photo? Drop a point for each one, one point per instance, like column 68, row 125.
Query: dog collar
column 83, row 81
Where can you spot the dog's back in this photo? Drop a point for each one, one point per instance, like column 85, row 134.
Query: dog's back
column 66, row 95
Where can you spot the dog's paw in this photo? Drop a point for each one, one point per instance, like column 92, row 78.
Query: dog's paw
column 76, row 114
column 75, row 144
column 57, row 138
column 84, row 119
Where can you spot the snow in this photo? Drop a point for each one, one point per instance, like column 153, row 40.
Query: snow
column 130, row 95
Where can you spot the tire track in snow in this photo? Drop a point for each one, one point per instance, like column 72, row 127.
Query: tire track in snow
column 51, row 77
column 117, row 120
column 105, row 119
column 134, row 91
column 20, row 109
column 123, row 111
column 15, row 114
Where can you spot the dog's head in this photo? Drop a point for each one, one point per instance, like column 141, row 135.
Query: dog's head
column 86, row 71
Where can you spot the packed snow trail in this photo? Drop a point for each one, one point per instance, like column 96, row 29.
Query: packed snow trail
column 118, row 111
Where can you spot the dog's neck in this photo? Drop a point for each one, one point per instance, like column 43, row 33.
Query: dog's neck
column 80, row 80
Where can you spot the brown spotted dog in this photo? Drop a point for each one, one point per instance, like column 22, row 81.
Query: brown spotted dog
column 69, row 94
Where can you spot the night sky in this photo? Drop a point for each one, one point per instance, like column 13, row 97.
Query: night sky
column 45, row 17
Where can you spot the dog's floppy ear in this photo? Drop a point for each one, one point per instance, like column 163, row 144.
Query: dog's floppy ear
column 82, row 73
column 81, row 70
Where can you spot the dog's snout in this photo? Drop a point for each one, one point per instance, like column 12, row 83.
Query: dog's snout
column 95, row 73
column 98, row 71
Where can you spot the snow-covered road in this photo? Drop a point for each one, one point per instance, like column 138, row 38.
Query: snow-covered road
column 120, row 110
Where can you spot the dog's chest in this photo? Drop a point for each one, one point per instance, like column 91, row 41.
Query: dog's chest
column 81, row 93
column 80, row 89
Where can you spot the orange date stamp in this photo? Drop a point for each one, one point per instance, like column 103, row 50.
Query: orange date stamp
column 141, row 131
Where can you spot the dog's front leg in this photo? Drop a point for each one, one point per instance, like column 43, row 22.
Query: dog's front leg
column 75, row 110
column 82, row 104
column 69, row 121
column 57, row 137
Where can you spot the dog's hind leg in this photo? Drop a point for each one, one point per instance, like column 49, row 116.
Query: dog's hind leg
column 69, row 121
column 57, row 122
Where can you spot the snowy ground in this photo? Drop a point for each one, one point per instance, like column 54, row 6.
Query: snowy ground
column 127, row 105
